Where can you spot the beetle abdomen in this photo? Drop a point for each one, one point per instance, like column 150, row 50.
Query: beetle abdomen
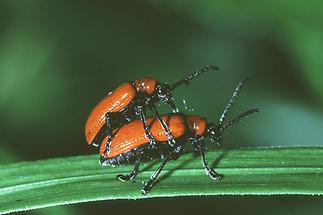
column 113, row 102
column 144, row 153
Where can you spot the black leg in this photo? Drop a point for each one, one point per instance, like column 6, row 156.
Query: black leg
column 131, row 175
column 107, row 121
column 147, row 187
column 173, row 106
column 209, row 171
column 233, row 99
column 171, row 139
column 142, row 115
column 174, row 155
column 108, row 131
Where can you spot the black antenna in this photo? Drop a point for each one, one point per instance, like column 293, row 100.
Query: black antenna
column 233, row 99
column 194, row 75
column 239, row 117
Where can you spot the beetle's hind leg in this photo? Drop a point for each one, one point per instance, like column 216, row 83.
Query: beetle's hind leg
column 153, row 178
column 131, row 175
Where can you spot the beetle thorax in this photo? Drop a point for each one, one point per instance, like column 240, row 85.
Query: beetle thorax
column 146, row 85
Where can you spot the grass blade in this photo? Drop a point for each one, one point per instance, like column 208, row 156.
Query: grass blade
column 60, row 181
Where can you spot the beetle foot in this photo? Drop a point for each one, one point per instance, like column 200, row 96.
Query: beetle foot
column 214, row 175
column 124, row 178
column 147, row 187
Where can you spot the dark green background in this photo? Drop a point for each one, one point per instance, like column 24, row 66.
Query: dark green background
column 58, row 58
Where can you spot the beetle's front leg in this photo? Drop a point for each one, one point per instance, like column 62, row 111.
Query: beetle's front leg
column 174, row 155
column 171, row 140
column 173, row 106
column 142, row 115
column 209, row 171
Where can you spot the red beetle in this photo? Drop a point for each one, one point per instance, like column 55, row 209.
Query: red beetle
column 129, row 144
column 129, row 101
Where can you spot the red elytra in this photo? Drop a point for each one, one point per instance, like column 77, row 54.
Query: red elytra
column 132, row 135
column 115, row 101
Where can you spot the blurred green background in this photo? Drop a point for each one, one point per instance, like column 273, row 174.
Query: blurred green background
column 59, row 58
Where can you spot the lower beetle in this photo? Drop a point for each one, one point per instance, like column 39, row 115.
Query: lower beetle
column 129, row 144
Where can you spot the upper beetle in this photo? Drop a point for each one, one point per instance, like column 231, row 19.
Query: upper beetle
column 130, row 142
column 129, row 101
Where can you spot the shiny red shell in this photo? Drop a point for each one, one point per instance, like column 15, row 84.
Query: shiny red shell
column 113, row 102
column 133, row 135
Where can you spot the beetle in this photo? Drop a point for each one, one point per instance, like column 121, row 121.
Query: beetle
column 129, row 101
column 129, row 144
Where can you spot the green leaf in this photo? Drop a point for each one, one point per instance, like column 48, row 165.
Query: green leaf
column 261, row 171
column 7, row 155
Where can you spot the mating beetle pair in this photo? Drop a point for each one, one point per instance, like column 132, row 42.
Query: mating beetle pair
column 118, row 124
column 130, row 101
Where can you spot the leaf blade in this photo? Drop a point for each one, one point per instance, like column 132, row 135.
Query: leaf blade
column 60, row 181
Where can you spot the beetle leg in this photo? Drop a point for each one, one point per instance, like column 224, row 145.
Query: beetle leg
column 173, row 106
column 171, row 139
column 131, row 175
column 147, row 187
column 107, row 121
column 142, row 115
column 153, row 178
column 209, row 171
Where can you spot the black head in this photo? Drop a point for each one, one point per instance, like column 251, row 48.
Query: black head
column 164, row 93
column 215, row 131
